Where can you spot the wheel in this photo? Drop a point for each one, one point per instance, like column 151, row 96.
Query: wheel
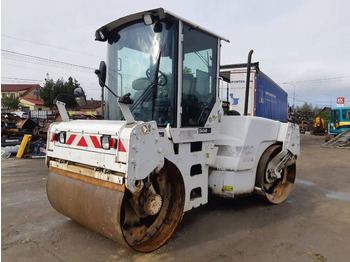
column 148, row 232
column 275, row 190
column 162, row 79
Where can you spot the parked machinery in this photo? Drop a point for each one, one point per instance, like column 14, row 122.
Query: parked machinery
column 166, row 142
column 318, row 126
column 303, row 127
column 339, row 120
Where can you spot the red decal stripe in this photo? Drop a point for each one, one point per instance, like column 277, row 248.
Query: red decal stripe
column 121, row 147
column 53, row 138
column 95, row 142
column 71, row 139
column 82, row 142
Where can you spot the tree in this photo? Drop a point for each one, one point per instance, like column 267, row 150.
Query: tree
column 10, row 102
column 306, row 108
column 324, row 114
column 187, row 70
column 321, row 112
column 51, row 90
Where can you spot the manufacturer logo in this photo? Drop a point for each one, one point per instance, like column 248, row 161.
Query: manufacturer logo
column 234, row 100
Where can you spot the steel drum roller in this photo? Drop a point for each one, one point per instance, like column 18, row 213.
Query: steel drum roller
column 111, row 213
column 93, row 206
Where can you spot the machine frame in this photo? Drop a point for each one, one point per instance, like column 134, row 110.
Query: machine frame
column 132, row 180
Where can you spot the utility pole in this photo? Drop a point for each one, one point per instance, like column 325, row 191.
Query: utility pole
column 286, row 83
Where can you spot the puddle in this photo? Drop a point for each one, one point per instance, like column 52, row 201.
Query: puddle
column 338, row 195
column 304, row 182
column 330, row 194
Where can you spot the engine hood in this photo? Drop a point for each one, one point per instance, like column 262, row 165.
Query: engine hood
column 135, row 151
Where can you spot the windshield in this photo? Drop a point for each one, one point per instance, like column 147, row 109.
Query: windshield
column 140, row 62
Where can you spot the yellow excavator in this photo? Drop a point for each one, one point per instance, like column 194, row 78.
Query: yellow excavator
column 318, row 126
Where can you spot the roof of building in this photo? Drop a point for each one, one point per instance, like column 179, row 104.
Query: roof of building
column 34, row 101
column 326, row 108
column 16, row 88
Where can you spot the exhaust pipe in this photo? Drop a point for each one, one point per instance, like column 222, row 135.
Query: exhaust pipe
column 247, row 83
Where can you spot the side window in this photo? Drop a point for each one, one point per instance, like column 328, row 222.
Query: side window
column 199, row 76
column 346, row 114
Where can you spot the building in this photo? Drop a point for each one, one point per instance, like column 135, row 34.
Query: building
column 32, row 104
column 29, row 96
column 92, row 107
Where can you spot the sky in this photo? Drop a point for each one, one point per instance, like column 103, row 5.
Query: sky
column 303, row 45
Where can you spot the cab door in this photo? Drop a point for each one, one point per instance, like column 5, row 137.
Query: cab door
column 198, row 76
column 334, row 120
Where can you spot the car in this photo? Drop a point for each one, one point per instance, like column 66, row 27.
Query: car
column 21, row 114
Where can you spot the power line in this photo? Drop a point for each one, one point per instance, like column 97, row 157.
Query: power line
column 6, row 54
column 26, row 67
column 22, row 79
column 340, row 78
column 45, row 71
column 57, row 47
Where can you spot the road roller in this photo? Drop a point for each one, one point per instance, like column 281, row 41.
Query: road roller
column 165, row 142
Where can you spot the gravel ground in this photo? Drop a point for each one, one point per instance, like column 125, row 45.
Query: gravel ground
column 312, row 225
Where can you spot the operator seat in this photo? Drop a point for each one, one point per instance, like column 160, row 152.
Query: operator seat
column 140, row 85
column 190, row 101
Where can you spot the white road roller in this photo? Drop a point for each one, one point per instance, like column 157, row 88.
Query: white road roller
column 165, row 142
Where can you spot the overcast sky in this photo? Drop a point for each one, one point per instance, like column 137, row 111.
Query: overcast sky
column 294, row 41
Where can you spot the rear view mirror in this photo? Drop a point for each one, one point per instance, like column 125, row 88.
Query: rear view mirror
column 79, row 96
column 101, row 74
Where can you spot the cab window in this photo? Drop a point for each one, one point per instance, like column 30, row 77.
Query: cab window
column 199, row 76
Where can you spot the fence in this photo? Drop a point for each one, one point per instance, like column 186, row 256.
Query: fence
column 40, row 114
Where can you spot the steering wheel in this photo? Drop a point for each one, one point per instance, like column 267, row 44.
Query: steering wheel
column 162, row 79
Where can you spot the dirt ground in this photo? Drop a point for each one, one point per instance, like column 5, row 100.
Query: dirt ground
column 312, row 225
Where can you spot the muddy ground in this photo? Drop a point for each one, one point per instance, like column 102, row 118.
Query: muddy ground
column 312, row 225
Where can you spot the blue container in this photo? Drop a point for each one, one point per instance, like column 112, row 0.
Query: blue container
column 270, row 99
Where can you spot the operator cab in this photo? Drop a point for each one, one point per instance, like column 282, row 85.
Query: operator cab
column 339, row 120
column 168, row 65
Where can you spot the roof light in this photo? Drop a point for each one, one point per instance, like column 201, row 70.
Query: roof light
column 102, row 36
column 148, row 19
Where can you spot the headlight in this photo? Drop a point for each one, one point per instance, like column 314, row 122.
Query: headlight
column 62, row 137
column 105, row 142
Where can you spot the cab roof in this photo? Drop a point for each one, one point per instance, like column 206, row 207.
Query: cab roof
column 159, row 13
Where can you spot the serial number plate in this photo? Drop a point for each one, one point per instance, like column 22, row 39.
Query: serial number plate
column 204, row 130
